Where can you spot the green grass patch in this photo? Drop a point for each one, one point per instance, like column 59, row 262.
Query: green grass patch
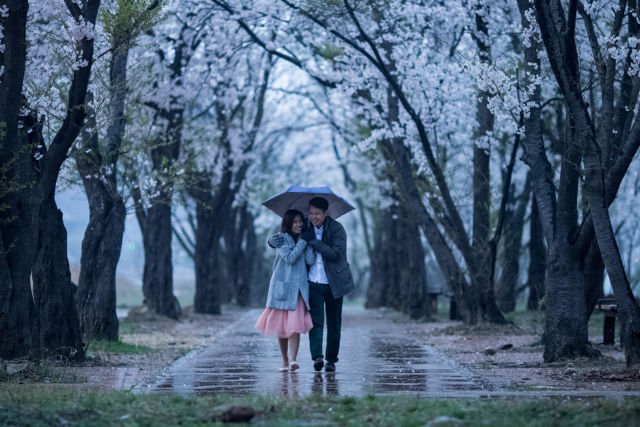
column 116, row 347
column 28, row 371
column 128, row 327
column 34, row 407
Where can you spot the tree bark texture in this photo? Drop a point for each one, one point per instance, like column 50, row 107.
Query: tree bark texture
column 565, row 322
column 101, row 246
column 398, row 276
column 155, row 216
column 54, row 293
column 398, row 158
column 213, row 210
column 482, row 277
column 102, row 242
column 593, row 277
column 208, row 296
column 19, row 200
column 565, row 331
column 507, row 287
column 240, row 254
column 628, row 309
column 155, row 221
column 596, row 146
column 157, row 278
column 537, row 260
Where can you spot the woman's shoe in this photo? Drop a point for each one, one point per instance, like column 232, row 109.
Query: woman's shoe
column 294, row 366
column 283, row 369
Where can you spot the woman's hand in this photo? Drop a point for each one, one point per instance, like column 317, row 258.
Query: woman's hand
column 276, row 241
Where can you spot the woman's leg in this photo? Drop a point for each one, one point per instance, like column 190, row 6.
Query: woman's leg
column 284, row 348
column 294, row 344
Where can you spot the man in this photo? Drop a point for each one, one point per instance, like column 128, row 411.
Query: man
column 330, row 280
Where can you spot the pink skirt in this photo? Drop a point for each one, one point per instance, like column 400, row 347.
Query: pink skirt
column 284, row 323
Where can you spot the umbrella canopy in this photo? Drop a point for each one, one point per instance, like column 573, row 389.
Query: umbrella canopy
column 298, row 198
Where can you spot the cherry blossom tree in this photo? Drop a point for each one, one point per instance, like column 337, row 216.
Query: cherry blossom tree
column 98, row 165
column 603, row 138
column 34, row 161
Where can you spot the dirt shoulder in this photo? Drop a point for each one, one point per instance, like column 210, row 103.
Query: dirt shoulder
column 510, row 358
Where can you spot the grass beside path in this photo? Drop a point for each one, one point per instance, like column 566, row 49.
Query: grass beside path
column 20, row 405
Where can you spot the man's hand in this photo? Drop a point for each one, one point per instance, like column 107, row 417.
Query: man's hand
column 308, row 235
column 276, row 241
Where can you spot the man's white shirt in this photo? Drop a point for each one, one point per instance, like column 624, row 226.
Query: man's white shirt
column 316, row 272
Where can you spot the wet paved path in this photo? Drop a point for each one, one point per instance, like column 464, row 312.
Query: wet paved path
column 377, row 356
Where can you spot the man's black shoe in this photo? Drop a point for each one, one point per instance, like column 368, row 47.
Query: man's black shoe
column 331, row 367
column 318, row 364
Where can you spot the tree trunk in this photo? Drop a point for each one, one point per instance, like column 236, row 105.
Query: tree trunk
column 18, row 246
column 18, row 196
column 565, row 322
column 482, row 277
column 54, row 293
column 566, row 334
column 398, row 160
column 563, row 57
column 249, row 260
column 385, row 282
column 481, row 234
column 101, row 245
column 514, row 225
column 155, row 220
column 414, row 277
column 398, row 276
column 380, row 268
column 102, row 242
column 239, row 244
column 208, row 298
column 213, row 212
column 593, row 277
column 537, row 260
column 155, row 223
column 466, row 296
column 628, row 309
column 45, row 242
column 157, row 279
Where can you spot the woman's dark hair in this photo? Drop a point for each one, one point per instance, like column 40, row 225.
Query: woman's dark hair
column 287, row 220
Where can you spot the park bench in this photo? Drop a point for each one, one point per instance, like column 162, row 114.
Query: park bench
column 609, row 307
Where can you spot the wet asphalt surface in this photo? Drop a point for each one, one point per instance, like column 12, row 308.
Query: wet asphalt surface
column 377, row 357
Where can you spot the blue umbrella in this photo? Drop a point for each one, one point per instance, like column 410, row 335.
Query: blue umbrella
column 297, row 197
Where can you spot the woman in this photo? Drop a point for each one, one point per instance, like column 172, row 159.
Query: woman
column 287, row 312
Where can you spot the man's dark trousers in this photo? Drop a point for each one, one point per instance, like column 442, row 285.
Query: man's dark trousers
column 320, row 298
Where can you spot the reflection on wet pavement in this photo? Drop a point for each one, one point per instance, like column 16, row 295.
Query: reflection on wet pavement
column 377, row 356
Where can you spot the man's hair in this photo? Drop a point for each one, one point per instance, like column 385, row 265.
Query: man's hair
column 320, row 203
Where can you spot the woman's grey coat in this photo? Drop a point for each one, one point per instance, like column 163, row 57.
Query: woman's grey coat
column 290, row 274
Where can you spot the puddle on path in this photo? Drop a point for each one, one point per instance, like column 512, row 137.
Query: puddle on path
column 377, row 357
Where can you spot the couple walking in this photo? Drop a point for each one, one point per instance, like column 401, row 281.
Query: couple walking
column 310, row 278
